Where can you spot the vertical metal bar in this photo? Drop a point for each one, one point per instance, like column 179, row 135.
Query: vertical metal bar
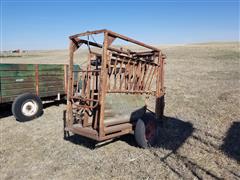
column 115, row 75
column 83, row 84
column 133, row 75
column 142, row 75
column 160, row 68
column 159, row 83
column 92, row 94
column 152, row 76
column 148, row 76
column 137, row 77
column 130, row 76
column 124, row 75
column 110, row 71
column 65, row 78
column 72, row 48
column 88, row 87
column 162, row 72
column 111, row 74
column 136, row 83
column 73, row 81
column 37, row 79
column 77, row 81
column 96, row 118
column 103, row 82
column 120, row 76
column 146, row 67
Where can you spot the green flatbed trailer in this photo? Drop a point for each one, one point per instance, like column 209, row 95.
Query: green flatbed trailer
column 26, row 85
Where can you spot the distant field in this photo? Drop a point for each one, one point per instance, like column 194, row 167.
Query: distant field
column 35, row 57
column 201, row 139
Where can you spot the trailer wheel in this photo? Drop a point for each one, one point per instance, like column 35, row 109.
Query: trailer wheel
column 146, row 132
column 27, row 107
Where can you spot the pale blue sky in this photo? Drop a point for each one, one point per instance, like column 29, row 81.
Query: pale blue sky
column 47, row 24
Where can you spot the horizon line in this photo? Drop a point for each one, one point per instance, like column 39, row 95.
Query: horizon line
column 169, row 44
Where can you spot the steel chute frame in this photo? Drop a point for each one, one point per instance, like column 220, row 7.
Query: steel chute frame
column 114, row 70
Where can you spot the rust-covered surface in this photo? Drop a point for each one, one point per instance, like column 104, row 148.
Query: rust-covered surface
column 43, row 80
column 113, row 89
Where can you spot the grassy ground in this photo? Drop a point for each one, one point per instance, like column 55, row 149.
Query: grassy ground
column 200, row 139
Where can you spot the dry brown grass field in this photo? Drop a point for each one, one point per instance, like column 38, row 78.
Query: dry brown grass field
column 200, row 138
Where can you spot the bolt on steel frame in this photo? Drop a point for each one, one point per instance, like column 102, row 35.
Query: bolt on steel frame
column 115, row 70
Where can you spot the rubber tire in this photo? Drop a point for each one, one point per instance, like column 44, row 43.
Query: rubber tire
column 139, row 133
column 18, row 102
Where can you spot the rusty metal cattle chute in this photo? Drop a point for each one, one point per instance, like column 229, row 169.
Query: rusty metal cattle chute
column 111, row 70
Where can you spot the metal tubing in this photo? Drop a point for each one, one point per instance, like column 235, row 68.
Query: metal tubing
column 86, row 131
column 116, row 35
column 103, row 82
column 116, row 128
column 132, row 40
column 72, row 48
column 117, row 120
column 87, row 33
column 117, row 134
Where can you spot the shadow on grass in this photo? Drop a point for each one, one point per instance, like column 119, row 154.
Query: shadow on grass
column 82, row 141
column 5, row 110
column 231, row 143
column 172, row 135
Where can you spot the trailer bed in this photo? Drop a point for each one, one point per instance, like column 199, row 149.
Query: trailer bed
column 43, row 80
